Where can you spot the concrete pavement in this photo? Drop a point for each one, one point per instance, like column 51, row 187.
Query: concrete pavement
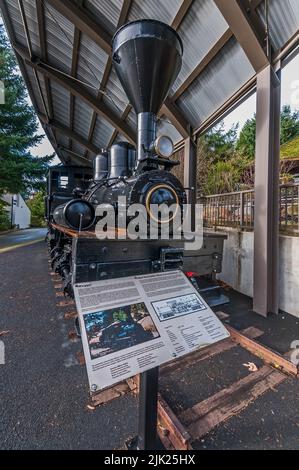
column 12, row 240
column 43, row 388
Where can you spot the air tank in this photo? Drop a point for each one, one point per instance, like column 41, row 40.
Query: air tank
column 120, row 160
column 100, row 166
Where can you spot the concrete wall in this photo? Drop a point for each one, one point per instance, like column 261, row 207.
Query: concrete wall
column 237, row 268
column 21, row 212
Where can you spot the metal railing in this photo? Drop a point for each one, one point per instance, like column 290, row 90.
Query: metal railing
column 237, row 209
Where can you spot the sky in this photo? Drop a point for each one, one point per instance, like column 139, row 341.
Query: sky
column 289, row 82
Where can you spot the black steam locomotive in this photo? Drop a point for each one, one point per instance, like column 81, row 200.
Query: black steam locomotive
column 147, row 57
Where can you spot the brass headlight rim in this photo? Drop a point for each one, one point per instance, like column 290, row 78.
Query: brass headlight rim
column 147, row 203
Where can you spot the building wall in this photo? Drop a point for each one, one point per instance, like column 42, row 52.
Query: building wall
column 21, row 212
column 237, row 269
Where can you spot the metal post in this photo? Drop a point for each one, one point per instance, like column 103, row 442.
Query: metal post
column 148, row 402
column 266, row 213
column 12, row 211
column 190, row 164
column 241, row 210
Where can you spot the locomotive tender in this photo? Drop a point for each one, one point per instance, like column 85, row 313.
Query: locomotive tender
column 147, row 57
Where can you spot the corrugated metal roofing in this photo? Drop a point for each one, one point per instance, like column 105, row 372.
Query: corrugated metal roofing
column 77, row 148
column 116, row 99
column 200, row 29
column 82, row 117
column 164, row 127
column 61, row 103
column 31, row 16
column 227, row 72
column 15, row 16
column 283, row 20
column 91, row 63
column 162, row 10
column 106, row 11
column 60, row 37
column 62, row 140
column 102, row 133
column 32, row 80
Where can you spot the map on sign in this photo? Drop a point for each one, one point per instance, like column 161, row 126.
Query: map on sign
column 132, row 324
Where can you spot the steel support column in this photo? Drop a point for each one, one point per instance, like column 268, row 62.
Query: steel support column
column 190, row 164
column 266, row 206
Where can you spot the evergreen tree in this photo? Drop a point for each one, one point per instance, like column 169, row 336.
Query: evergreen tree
column 289, row 129
column 20, row 172
column 289, row 125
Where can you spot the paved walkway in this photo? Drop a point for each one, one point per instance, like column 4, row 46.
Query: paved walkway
column 12, row 240
column 43, row 389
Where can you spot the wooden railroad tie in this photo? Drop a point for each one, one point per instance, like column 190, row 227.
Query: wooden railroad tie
column 266, row 354
column 203, row 417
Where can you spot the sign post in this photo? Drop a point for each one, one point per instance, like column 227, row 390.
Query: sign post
column 147, row 413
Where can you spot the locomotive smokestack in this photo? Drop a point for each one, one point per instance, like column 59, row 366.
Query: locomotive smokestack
column 147, row 57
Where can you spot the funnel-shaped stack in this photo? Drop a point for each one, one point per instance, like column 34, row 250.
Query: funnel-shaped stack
column 147, row 56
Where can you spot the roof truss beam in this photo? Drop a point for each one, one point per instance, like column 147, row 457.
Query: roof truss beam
column 84, row 22
column 181, row 13
column 78, row 90
column 235, row 14
column 64, row 130
column 170, row 110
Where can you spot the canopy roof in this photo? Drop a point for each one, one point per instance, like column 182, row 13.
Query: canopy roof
column 63, row 48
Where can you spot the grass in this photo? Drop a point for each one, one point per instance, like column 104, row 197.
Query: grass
column 290, row 149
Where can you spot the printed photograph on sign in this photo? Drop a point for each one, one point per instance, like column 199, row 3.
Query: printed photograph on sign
column 118, row 328
column 177, row 306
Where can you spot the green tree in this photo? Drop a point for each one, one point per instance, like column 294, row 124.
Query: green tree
column 289, row 129
column 218, row 169
column 4, row 217
column 289, row 124
column 224, row 178
column 20, row 172
column 245, row 145
column 220, row 143
column 37, row 207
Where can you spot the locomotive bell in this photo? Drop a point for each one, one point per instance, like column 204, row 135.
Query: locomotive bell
column 147, row 56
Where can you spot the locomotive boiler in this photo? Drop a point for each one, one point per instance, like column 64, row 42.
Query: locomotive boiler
column 147, row 57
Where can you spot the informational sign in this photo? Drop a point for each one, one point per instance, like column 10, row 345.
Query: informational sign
column 132, row 324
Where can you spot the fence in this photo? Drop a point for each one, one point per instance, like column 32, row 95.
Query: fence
column 237, row 209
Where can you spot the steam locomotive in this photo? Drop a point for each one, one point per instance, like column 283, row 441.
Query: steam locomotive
column 147, row 56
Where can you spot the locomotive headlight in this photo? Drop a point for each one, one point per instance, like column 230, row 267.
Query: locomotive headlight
column 76, row 214
column 163, row 197
column 163, row 146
